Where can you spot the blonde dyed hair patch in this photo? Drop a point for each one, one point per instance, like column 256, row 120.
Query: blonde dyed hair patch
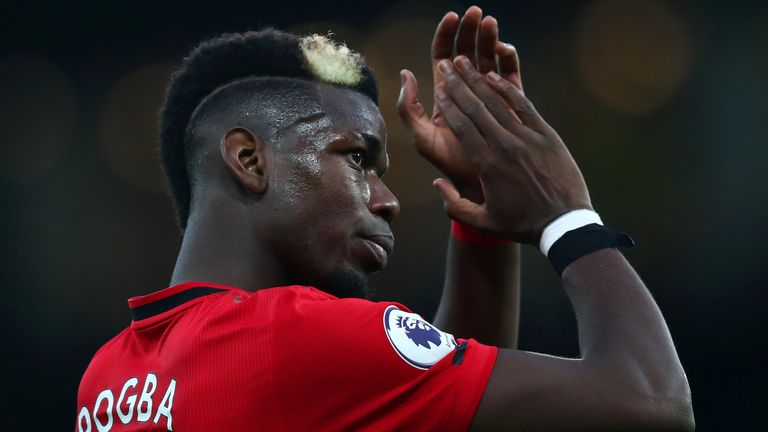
column 331, row 61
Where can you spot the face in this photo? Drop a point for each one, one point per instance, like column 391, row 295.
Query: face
column 331, row 208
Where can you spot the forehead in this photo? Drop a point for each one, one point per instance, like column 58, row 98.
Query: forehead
column 349, row 111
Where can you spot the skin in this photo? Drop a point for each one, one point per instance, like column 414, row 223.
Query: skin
column 629, row 376
column 480, row 280
column 321, row 183
column 509, row 174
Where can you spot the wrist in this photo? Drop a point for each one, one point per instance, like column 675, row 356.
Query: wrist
column 469, row 234
column 576, row 234
column 568, row 221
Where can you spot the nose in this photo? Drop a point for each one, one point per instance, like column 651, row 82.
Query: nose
column 383, row 202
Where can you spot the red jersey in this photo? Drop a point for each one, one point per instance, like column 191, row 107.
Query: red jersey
column 206, row 357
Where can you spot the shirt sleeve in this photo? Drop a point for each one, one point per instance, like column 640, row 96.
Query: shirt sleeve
column 351, row 364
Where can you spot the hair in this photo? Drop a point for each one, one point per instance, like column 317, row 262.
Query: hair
column 243, row 62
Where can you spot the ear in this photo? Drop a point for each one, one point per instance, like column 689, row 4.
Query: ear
column 245, row 154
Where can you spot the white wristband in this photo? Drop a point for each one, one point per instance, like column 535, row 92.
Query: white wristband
column 567, row 222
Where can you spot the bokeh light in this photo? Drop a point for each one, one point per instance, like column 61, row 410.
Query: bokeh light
column 128, row 129
column 632, row 55
column 409, row 41
column 40, row 116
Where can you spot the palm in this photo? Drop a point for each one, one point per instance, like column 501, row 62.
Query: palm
column 441, row 148
column 476, row 38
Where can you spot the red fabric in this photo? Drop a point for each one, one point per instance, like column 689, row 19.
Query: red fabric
column 280, row 359
column 470, row 234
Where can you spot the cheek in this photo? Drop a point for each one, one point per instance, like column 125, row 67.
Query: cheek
column 300, row 177
column 324, row 198
column 326, row 184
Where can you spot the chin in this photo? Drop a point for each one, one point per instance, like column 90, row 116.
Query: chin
column 347, row 283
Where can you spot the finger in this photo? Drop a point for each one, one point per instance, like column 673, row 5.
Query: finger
column 442, row 42
column 459, row 208
column 469, row 104
column 408, row 106
column 494, row 103
column 467, row 134
column 486, row 45
column 523, row 107
column 466, row 40
column 509, row 64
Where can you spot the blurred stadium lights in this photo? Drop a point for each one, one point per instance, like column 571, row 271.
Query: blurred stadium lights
column 40, row 116
column 632, row 56
column 128, row 126
column 408, row 41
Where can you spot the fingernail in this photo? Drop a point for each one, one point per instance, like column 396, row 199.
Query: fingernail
column 463, row 63
column 402, row 78
column 510, row 46
column 440, row 93
column 494, row 76
column 445, row 67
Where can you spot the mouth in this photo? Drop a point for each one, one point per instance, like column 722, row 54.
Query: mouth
column 376, row 251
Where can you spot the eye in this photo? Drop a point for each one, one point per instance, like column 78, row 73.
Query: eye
column 357, row 157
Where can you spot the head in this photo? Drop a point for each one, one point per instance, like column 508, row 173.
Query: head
column 281, row 139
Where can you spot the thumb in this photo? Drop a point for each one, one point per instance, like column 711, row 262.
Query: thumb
column 408, row 106
column 457, row 207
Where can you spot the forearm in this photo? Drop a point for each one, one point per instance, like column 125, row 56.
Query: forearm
column 621, row 330
column 481, row 295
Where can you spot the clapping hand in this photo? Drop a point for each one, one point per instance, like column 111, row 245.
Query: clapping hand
column 477, row 39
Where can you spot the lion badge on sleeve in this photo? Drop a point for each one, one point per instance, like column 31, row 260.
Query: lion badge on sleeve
column 415, row 340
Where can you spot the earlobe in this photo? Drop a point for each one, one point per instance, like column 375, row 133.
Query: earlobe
column 244, row 153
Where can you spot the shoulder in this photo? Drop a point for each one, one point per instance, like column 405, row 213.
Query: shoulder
column 372, row 355
column 353, row 330
column 300, row 302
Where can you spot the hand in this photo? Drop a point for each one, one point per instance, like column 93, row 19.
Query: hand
column 527, row 174
column 432, row 137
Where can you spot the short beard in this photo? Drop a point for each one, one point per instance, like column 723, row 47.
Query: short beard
column 348, row 283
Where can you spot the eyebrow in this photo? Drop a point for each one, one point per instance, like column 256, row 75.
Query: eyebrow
column 374, row 143
column 308, row 118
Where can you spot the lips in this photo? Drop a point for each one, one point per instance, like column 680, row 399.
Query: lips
column 385, row 241
column 375, row 250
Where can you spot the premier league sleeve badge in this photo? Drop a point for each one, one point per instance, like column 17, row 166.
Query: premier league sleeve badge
column 415, row 340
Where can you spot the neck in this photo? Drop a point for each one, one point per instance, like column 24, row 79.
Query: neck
column 216, row 248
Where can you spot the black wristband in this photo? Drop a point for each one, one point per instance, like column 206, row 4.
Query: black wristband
column 582, row 241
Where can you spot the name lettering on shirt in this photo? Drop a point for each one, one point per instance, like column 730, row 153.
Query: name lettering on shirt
column 104, row 412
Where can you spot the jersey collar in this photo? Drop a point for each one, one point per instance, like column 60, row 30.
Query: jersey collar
column 149, row 305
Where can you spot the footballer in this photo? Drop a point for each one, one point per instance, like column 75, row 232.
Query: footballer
column 275, row 152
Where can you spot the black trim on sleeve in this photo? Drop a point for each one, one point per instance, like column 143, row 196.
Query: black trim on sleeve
column 458, row 357
column 170, row 302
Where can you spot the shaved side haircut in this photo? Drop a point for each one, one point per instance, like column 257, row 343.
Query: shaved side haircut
column 260, row 78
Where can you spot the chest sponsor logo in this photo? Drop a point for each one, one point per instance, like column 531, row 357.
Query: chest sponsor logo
column 415, row 340
column 133, row 404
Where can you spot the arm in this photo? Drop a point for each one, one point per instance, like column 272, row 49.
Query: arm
column 629, row 376
column 480, row 281
column 481, row 295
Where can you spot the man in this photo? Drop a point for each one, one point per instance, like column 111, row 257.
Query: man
column 275, row 148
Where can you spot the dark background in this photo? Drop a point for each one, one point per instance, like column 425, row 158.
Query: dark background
column 662, row 103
